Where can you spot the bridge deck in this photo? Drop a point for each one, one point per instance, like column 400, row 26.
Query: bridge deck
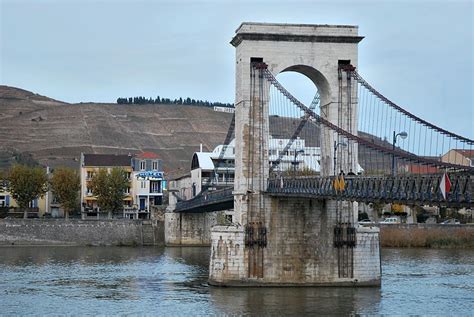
column 411, row 190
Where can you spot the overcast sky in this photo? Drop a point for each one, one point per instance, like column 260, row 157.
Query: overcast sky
column 417, row 53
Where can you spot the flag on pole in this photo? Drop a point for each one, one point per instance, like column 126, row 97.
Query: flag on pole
column 445, row 185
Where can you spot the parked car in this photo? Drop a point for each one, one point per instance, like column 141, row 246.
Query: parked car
column 390, row 220
column 366, row 222
column 451, row 222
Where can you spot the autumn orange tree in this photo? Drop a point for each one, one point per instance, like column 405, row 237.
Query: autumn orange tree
column 65, row 185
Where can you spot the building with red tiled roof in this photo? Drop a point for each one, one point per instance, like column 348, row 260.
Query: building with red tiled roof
column 147, row 155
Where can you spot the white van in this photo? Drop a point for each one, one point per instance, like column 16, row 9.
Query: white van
column 390, row 220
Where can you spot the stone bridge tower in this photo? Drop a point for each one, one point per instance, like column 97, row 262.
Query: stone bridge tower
column 277, row 241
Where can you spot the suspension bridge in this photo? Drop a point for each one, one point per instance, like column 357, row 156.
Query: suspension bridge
column 372, row 150
column 422, row 169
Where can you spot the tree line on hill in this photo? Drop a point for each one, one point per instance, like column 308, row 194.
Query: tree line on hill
column 180, row 101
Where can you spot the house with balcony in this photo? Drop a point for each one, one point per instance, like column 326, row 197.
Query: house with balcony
column 90, row 165
column 148, row 184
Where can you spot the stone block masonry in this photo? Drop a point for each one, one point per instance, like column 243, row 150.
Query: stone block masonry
column 227, row 255
column 81, row 232
column 190, row 229
column 300, row 250
column 367, row 266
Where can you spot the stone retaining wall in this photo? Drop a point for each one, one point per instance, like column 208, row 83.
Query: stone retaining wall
column 81, row 232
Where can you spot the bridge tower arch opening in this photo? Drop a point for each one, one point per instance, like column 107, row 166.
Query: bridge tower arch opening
column 287, row 241
column 294, row 142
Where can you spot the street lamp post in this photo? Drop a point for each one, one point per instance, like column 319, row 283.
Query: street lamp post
column 403, row 135
column 336, row 145
column 294, row 161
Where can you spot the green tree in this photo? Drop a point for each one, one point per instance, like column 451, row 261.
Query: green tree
column 66, row 184
column 27, row 183
column 109, row 188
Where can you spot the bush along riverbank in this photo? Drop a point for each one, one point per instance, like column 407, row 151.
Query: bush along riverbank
column 427, row 236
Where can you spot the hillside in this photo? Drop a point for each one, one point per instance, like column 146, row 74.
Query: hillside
column 55, row 133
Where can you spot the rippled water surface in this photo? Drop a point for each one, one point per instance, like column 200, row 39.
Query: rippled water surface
column 173, row 281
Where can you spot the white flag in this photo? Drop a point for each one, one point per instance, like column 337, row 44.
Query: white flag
column 445, row 185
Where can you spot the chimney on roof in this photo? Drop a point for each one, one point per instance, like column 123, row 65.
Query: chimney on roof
column 200, row 148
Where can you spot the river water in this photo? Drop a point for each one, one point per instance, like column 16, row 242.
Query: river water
column 173, row 281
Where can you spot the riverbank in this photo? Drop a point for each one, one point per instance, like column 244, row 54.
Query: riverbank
column 75, row 232
column 121, row 232
column 427, row 236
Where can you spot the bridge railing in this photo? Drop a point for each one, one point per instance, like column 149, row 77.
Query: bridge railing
column 414, row 190
column 206, row 200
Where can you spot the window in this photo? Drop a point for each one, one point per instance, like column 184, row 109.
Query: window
column 142, row 165
column 89, row 191
column 155, row 165
column 155, row 187
column 129, row 175
column 142, row 184
column 90, row 175
column 127, row 190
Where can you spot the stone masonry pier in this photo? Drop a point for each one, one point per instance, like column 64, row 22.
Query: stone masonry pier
column 300, row 251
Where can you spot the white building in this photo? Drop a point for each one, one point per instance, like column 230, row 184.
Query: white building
column 297, row 156
column 214, row 170
column 148, row 183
